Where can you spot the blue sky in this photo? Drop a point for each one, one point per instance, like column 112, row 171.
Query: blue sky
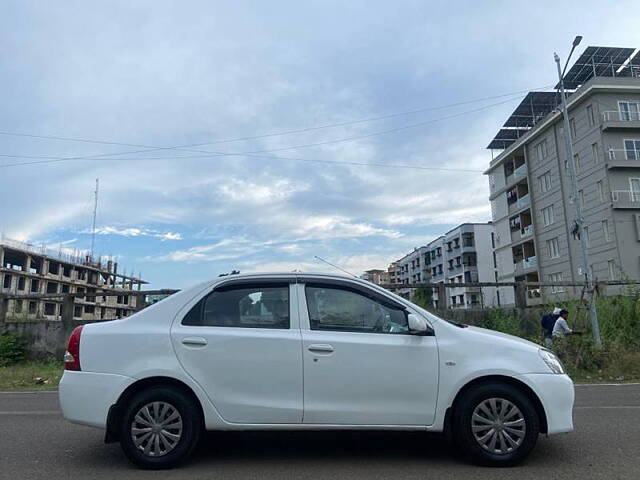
column 164, row 74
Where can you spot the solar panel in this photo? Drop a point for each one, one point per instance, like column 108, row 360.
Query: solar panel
column 595, row 62
column 505, row 137
column 534, row 106
column 632, row 69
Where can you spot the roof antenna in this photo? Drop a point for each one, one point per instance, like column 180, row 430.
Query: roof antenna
column 95, row 211
column 334, row 266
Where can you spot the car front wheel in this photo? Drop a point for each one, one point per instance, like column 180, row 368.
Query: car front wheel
column 160, row 428
column 496, row 424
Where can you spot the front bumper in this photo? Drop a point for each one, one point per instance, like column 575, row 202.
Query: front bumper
column 86, row 397
column 556, row 393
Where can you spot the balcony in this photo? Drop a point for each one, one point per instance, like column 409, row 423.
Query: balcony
column 527, row 231
column 625, row 199
column 523, row 201
column 620, row 158
column 616, row 119
column 520, row 172
column 525, row 264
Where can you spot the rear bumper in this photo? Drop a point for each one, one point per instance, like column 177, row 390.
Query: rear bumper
column 86, row 397
column 556, row 393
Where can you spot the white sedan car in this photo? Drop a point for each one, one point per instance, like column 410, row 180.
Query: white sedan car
column 306, row 351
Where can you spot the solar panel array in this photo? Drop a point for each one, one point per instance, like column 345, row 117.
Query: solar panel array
column 596, row 62
column 505, row 137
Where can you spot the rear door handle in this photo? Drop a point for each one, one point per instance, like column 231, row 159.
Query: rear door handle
column 321, row 348
column 194, row 341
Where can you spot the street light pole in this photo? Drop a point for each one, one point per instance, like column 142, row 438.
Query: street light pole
column 576, row 201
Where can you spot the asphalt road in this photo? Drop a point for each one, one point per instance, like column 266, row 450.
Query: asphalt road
column 37, row 443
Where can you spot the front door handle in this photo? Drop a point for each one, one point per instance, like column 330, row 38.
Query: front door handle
column 321, row 348
column 194, row 341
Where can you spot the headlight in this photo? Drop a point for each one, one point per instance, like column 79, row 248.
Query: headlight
column 551, row 360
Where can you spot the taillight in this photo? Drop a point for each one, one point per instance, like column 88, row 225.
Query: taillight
column 72, row 355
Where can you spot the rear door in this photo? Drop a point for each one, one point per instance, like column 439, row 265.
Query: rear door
column 241, row 343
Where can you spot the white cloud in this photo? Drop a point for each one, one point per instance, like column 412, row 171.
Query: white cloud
column 135, row 232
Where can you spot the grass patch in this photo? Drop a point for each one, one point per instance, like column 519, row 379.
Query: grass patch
column 31, row 375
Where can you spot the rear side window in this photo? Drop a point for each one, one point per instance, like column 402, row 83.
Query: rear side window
column 244, row 306
column 342, row 309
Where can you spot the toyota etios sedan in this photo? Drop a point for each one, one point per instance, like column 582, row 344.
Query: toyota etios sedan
column 305, row 351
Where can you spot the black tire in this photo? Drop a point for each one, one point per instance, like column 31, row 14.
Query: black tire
column 462, row 424
column 191, row 423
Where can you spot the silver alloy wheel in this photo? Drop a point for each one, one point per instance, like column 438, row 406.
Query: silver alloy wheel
column 498, row 426
column 156, row 429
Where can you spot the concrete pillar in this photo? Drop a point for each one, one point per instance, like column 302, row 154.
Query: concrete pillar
column 66, row 316
column 521, row 298
column 1, row 257
column 27, row 264
column 442, row 297
column 4, row 305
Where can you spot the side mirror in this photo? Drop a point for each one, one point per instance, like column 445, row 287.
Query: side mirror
column 417, row 325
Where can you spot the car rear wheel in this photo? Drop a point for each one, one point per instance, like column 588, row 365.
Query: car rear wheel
column 160, row 428
column 496, row 424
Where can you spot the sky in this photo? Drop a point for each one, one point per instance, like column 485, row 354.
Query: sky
column 276, row 107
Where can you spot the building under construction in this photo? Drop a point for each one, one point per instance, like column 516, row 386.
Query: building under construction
column 35, row 272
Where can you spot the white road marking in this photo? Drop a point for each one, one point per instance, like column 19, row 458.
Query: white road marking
column 605, row 384
column 32, row 412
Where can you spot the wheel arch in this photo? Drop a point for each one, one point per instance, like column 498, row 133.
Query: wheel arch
column 117, row 409
column 514, row 382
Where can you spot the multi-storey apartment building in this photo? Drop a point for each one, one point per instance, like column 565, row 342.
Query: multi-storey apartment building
column 531, row 197
column 27, row 270
column 464, row 255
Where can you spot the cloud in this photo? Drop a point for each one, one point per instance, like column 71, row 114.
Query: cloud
column 135, row 232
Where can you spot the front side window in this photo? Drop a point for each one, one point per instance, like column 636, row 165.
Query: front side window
column 243, row 306
column 341, row 309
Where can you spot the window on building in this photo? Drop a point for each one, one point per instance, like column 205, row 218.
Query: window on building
column 541, row 151
column 600, row 189
column 555, row 278
column 6, row 283
column 605, row 230
column 576, row 163
column 35, row 285
column 548, row 216
column 77, row 311
column 21, row 283
column 581, row 197
column 553, row 247
column 611, row 265
column 572, row 126
column 17, row 306
column 629, row 111
column 544, row 182
column 49, row 308
column 32, row 307
column 590, row 117
column 595, row 153
column 632, row 149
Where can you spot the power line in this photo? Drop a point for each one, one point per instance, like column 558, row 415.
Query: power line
column 286, row 132
column 214, row 153
column 268, row 157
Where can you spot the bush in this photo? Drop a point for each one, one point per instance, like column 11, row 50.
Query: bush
column 12, row 349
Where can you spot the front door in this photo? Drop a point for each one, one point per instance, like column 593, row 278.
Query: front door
column 361, row 364
column 241, row 343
